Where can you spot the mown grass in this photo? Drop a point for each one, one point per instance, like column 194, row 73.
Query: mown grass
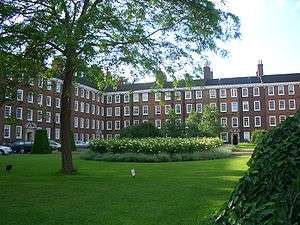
column 103, row 193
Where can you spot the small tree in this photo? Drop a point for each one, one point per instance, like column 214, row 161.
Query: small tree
column 257, row 136
column 210, row 122
column 173, row 127
column 142, row 130
column 41, row 143
column 192, row 125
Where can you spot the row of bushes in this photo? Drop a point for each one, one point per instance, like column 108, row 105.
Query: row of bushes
column 155, row 145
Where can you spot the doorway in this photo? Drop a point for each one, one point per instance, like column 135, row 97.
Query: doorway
column 29, row 136
column 235, row 139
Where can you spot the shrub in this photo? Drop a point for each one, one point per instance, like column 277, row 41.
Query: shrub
column 155, row 145
column 41, row 143
column 257, row 136
column 269, row 192
column 142, row 130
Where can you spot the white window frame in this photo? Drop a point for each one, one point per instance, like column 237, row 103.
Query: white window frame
column 223, row 109
column 245, row 92
column 157, row 109
column 117, row 98
column 256, row 91
column 145, row 97
column 294, row 103
column 255, row 104
column 20, row 95
column 246, row 121
column 157, row 96
column 168, row 96
column 246, row 107
column 188, row 95
column 237, row 122
column 189, row 108
column 232, row 107
column 136, row 110
column 117, row 111
column 291, row 89
column 145, row 112
column 178, row 108
column 198, row 94
column 199, row 106
column 212, row 93
column 233, row 92
column 126, row 110
column 270, row 103
column 255, row 121
column 223, row 93
column 136, row 97
column 270, row 119
column 280, row 105
column 19, row 134
column 271, row 90
column 7, row 129
column 280, row 89
column 20, row 116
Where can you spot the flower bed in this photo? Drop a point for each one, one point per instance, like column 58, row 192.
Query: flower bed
column 155, row 145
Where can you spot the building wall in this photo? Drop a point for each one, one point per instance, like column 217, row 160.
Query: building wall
column 94, row 115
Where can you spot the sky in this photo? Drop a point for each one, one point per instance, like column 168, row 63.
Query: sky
column 270, row 31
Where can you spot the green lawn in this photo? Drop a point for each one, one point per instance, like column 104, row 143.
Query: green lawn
column 181, row 193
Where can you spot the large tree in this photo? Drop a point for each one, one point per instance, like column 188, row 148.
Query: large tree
column 139, row 37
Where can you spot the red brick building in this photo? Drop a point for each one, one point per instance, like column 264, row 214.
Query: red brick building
column 245, row 104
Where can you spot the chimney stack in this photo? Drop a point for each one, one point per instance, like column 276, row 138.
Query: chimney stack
column 208, row 74
column 260, row 68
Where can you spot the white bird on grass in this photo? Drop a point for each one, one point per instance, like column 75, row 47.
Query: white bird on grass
column 132, row 171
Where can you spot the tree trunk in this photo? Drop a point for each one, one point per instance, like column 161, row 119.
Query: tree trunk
column 66, row 134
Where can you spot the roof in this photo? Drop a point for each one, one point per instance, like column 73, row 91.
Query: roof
column 275, row 78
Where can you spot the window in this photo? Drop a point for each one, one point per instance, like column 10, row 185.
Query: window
column 117, row 99
column 136, row 122
column 245, row 106
column 222, row 93
column 281, row 104
column 136, row 110
column 81, row 122
column 145, row 97
column 82, row 107
column 189, row 108
column 117, row 125
column 19, row 95
column 57, row 133
column 109, row 99
column 93, row 95
column 48, row 117
column 167, row 96
column 256, row 106
column 188, row 94
column 198, row 94
column 76, row 91
column 87, row 107
column 246, row 121
column 245, row 92
column 257, row 121
column 19, row 113
column 82, row 93
column 270, row 90
column 178, row 95
column 49, row 85
column 136, row 97
column 282, row 118
column 223, row 107
column 178, row 109
column 158, row 124
column 76, row 122
column 93, row 109
column 272, row 121
column 98, row 125
column 30, row 115
column 212, row 93
column 58, row 87
column 246, row 136
column 157, row 96
column 213, row 105
column 6, row 133
column 157, row 109
column 234, row 106
column 145, row 110
column 234, row 122
column 126, row 123
column 98, row 110
column 233, row 92
column 40, row 83
column 291, row 89
column 256, row 91
column 224, row 137
column 271, row 105
column 40, row 99
column 102, row 111
column 145, row 121
column 7, row 111
column 167, row 109
column 57, row 103
column 292, row 104
column 30, row 97
column 48, row 101
column 126, row 111
column 87, row 94
column 76, row 106
column 39, row 116
column 281, row 90
column 199, row 108
column 109, row 111
column 126, row 98
column 87, row 123
column 19, row 133
column 117, row 111
column 223, row 121
column 57, row 118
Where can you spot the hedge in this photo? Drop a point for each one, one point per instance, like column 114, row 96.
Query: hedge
column 41, row 143
column 155, row 145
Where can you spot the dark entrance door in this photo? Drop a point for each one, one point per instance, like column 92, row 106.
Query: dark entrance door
column 235, row 139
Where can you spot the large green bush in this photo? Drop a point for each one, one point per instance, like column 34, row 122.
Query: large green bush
column 155, row 145
column 257, row 136
column 142, row 130
column 269, row 192
column 41, row 143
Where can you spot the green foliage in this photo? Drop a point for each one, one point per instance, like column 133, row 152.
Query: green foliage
column 210, row 122
column 257, row 136
column 41, row 143
column 173, row 127
column 269, row 192
column 217, row 153
column 192, row 125
column 142, row 130
column 155, row 145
